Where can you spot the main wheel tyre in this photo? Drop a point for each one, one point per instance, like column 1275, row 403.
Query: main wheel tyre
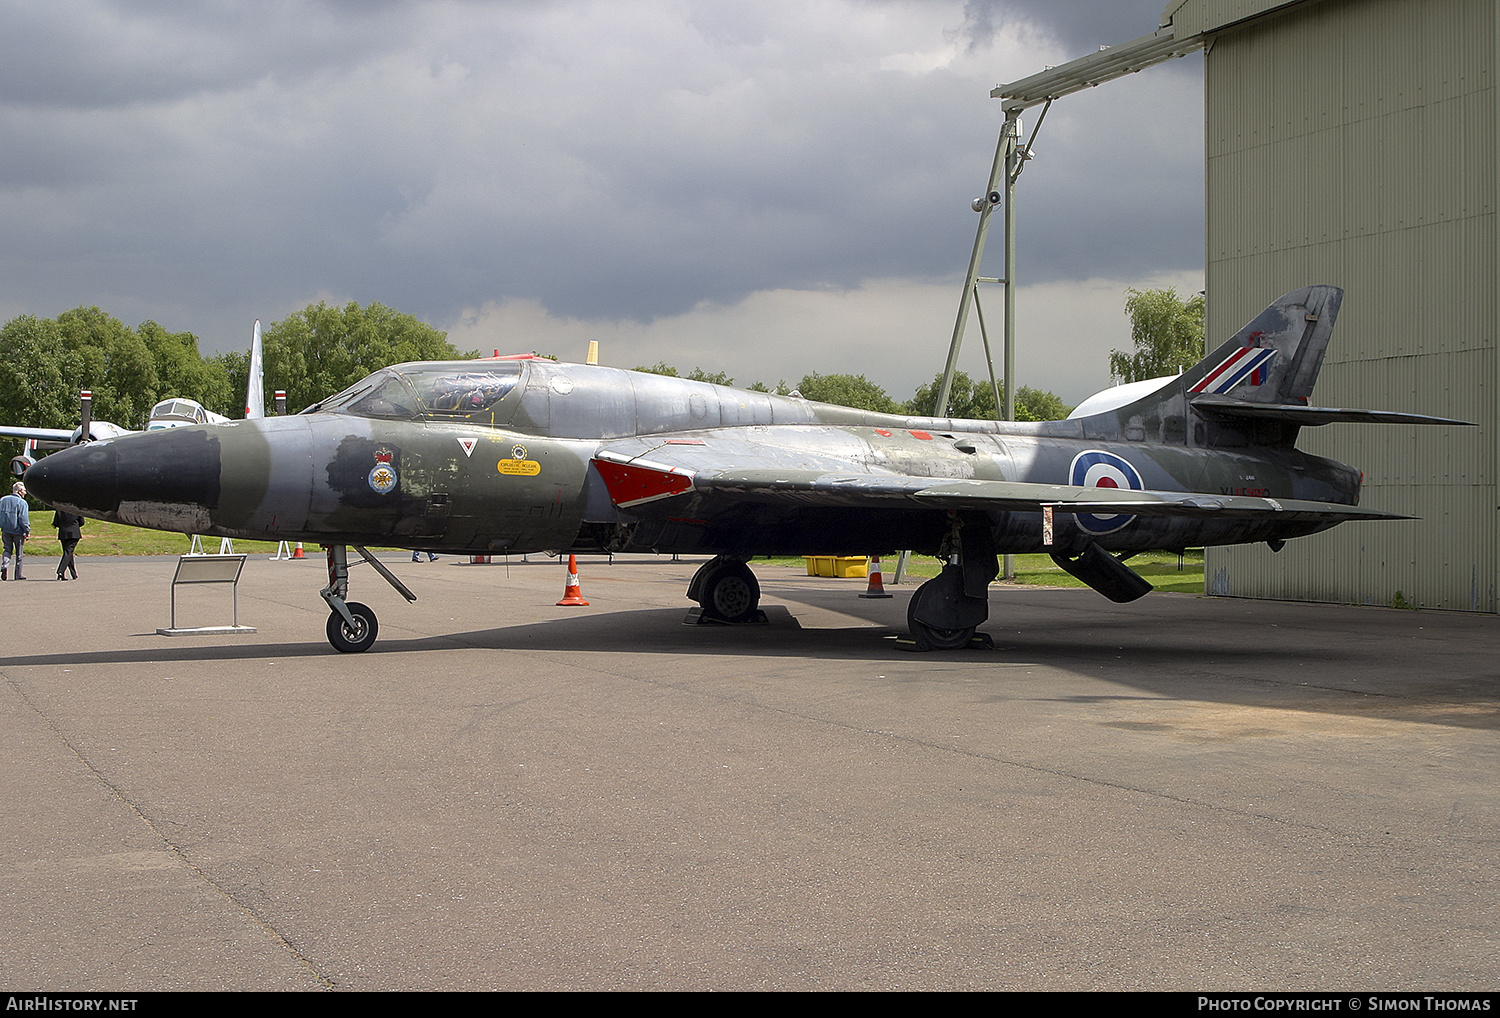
column 348, row 639
column 934, row 638
column 941, row 639
column 731, row 593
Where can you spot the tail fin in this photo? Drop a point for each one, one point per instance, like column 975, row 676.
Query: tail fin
column 1276, row 358
column 1263, row 374
column 1254, row 386
column 255, row 391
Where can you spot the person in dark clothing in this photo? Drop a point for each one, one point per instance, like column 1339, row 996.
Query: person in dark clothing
column 69, row 533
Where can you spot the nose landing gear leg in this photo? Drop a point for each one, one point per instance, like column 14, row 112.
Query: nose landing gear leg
column 352, row 626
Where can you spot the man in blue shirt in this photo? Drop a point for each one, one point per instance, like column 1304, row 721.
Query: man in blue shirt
column 15, row 527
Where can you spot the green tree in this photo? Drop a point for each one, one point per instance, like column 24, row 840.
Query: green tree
column 33, row 392
column 90, row 327
column 1040, row 405
column 967, row 399
column 319, row 350
column 697, row 374
column 976, row 401
column 659, row 368
column 132, row 379
column 89, row 337
column 234, row 367
column 1167, row 332
column 847, row 390
column 182, row 371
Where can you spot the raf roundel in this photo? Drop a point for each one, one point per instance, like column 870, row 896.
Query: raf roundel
column 1099, row 469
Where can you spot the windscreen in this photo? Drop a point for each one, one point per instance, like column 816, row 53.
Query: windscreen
column 412, row 391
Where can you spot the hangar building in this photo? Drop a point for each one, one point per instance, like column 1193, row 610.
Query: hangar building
column 1353, row 142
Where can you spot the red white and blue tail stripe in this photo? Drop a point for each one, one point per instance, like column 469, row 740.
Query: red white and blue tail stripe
column 1247, row 362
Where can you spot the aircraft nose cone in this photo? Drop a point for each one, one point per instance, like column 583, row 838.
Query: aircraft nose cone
column 160, row 479
column 81, row 479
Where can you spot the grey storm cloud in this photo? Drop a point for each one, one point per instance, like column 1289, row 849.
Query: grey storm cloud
column 626, row 160
column 1081, row 25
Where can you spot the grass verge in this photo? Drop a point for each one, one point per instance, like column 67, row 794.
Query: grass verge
column 1160, row 568
column 100, row 538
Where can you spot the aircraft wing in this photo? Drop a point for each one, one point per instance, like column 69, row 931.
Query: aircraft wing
column 63, row 435
column 683, row 473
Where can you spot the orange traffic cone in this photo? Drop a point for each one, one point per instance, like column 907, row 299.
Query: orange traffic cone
column 571, row 594
column 297, row 551
column 876, row 587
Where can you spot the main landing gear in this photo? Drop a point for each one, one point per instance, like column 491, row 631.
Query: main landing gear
column 945, row 612
column 727, row 591
column 352, row 626
column 941, row 616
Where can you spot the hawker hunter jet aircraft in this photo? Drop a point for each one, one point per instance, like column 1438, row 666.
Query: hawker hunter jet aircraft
column 525, row 454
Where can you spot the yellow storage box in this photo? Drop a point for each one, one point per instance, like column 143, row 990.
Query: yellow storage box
column 829, row 565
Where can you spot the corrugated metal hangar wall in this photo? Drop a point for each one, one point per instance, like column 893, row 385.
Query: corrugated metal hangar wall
column 1353, row 142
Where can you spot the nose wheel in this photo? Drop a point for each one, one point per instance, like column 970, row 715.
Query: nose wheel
column 352, row 626
column 353, row 637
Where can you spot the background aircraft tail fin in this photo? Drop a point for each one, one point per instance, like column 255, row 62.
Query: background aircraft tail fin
column 255, row 392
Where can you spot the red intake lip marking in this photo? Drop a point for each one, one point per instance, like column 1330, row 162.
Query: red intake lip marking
column 627, row 484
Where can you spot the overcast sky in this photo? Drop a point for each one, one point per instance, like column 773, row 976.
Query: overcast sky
column 759, row 187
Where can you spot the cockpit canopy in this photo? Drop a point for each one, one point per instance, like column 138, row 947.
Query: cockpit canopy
column 177, row 412
column 411, row 391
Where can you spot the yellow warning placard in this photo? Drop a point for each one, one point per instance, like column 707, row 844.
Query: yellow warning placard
column 519, row 468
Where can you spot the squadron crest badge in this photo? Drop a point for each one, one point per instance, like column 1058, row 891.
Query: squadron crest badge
column 383, row 475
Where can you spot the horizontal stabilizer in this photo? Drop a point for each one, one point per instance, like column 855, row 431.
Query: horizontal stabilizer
column 1293, row 413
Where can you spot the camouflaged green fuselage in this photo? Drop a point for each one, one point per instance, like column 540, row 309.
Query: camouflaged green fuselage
column 520, row 474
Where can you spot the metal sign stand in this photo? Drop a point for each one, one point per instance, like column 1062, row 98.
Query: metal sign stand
column 195, row 569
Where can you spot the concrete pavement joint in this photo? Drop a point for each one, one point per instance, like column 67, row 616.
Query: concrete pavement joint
column 323, row 981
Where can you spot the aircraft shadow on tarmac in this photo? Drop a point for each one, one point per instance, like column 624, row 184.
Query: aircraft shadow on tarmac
column 1117, row 649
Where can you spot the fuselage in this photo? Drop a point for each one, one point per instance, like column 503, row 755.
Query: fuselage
column 496, row 456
